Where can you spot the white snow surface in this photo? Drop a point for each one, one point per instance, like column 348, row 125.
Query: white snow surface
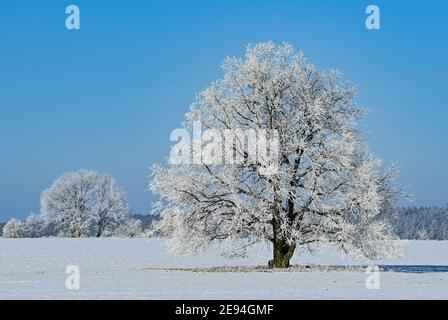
column 112, row 268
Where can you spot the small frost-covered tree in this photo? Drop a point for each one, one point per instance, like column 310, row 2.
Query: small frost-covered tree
column 84, row 203
column 13, row 229
column 328, row 188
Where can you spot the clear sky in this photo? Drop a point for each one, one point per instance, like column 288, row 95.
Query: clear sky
column 107, row 96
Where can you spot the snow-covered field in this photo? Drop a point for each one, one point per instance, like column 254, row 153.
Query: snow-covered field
column 137, row 269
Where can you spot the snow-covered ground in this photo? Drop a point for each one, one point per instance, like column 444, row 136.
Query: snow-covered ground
column 136, row 269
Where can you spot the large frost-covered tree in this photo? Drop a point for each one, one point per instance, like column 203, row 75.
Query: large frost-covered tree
column 328, row 188
column 84, row 203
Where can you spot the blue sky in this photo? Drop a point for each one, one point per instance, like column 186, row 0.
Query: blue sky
column 107, row 96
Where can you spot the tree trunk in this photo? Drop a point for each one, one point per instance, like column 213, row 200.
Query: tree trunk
column 282, row 250
column 283, row 253
column 99, row 231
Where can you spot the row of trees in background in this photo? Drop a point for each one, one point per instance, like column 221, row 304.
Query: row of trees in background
column 424, row 223
column 79, row 204
column 410, row 223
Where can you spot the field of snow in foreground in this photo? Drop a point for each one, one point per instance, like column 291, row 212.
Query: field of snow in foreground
column 136, row 269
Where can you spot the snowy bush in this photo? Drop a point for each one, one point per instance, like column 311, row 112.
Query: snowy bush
column 129, row 229
column 13, row 229
column 33, row 227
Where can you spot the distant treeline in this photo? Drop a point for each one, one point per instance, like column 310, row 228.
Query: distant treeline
column 423, row 223
column 410, row 223
column 146, row 219
column 37, row 228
